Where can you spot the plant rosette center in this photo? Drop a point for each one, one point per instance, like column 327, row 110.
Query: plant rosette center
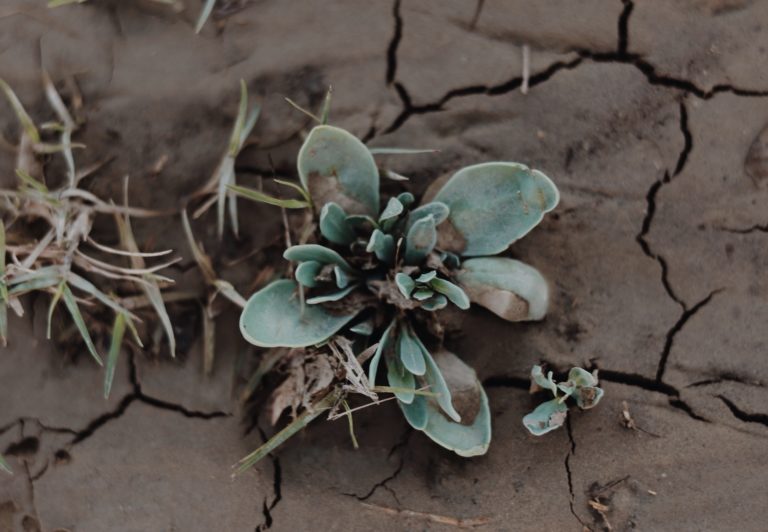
column 379, row 273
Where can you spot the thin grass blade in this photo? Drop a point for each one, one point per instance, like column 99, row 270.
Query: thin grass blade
column 74, row 310
column 118, row 331
column 204, row 14
column 278, row 439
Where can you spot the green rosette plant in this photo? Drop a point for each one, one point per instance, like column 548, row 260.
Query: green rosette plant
column 380, row 273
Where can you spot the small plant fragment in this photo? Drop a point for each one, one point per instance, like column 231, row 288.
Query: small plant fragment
column 581, row 386
column 45, row 232
column 375, row 273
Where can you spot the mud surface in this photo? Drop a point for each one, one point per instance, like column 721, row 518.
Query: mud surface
column 643, row 113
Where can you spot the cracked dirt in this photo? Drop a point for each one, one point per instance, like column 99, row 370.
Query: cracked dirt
column 643, row 112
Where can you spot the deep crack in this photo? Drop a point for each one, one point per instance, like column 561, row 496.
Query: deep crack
column 569, row 474
column 742, row 415
column 623, row 30
column 277, row 487
column 686, row 315
column 394, row 43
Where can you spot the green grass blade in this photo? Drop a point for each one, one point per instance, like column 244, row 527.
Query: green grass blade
column 228, row 291
column 21, row 113
column 3, row 286
column 237, row 131
column 118, row 330
column 69, row 301
column 351, row 425
column 3, row 324
column 204, row 14
column 278, row 439
column 296, row 106
column 4, row 466
column 156, row 298
column 255, row 195
column 31, row 181
column 400, row 151
column 58, row 3
column 209, row 341
column 89, row 288
column 250, row 122
column 52, row 307
column 326, row 111
column 34, row 284
column 299, row 188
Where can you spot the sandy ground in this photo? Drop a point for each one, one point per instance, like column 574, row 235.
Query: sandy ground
column 642, row 112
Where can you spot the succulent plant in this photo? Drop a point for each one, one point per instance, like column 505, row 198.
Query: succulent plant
column 382, row 275
column 581, row 386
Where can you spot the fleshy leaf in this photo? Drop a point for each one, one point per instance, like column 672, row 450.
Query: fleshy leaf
column 364, row 328
column 393, row 209
column 472, row 436
column 406, row 198
column 273, row 317
column 335, row 166
column 416, row 412
column 420, row 240
column 334, row 226
column 437, row 384
column 426, row 277
column 451, row 291
column 382, row 245
column 493, row 205
column 322, row 254
column 410, row 353
column 334, row 296
column 306, row 273
column 546, row 417
column 508, row 288
column 438, row 210
column 342, row 278
column 588, row 396
column 436, row 302
column 581, row 377
column 546, row 383
column 401, row 378
column 422, row 294
column 405, row 284
column 384, row 345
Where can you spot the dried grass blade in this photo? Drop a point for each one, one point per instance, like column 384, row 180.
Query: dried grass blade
column 203, row 260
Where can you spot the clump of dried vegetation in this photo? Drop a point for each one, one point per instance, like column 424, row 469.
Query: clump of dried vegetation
column 46, row 245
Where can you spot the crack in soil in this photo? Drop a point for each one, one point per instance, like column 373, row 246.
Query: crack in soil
column 394, row 43
column 137, row 395
column 383, row 483
column 742, row 415
column 277, row 487
column 622, row 55
column 650, row 209
column 569, row 474
column 623, row 30
column 686, row 315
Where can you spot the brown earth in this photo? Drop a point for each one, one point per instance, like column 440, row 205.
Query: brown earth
column 642, row 112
